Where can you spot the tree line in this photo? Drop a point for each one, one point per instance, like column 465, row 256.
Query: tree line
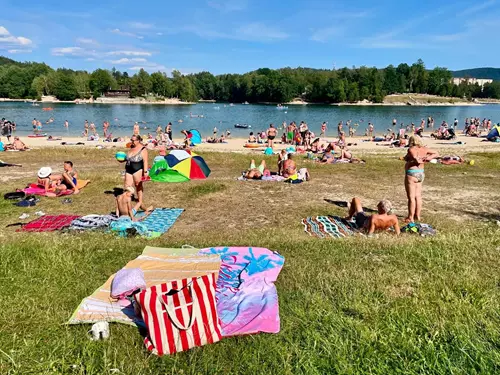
column 31, row 80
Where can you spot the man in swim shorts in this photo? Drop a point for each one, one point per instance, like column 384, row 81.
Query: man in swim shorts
column 381, row 221
column 256, row 173
column 271, row 134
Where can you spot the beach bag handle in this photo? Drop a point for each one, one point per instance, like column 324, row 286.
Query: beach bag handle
column 170, row 310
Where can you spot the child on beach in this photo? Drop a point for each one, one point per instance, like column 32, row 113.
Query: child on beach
column 124, row 204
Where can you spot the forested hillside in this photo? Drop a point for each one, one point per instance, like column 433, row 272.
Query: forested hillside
column 32, row 80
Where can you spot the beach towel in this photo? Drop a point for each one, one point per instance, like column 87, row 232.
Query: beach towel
column 247, row 300
column 272, row 178
column 159, row 266
column 34, row 189
column 89, row 222
column 161, row 219
column 329, row 227
column 154, row 225
column 49, row 223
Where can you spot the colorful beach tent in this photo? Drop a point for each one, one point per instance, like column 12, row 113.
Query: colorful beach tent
column 195, row 137
column 494, row 132
column 179, row 166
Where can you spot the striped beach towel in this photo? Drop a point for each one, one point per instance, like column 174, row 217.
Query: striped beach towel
column 49, row 223
column 159, row 266
column 329, row 227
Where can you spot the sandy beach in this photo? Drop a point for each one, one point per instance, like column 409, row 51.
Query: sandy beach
column 237, row 145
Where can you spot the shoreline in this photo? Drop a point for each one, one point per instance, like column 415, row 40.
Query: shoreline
column 175, row 102
column 237, row 145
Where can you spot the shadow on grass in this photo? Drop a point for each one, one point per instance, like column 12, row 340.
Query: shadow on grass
column 483, row 215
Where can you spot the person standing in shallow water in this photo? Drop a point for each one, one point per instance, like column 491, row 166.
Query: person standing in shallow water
column 417, row 155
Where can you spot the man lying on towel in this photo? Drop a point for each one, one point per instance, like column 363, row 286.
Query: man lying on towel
column 380, row 221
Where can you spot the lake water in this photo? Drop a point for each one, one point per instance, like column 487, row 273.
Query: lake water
column 224, row 116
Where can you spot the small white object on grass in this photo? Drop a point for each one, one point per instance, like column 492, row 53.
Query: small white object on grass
column 24, row 216
column 99, row 331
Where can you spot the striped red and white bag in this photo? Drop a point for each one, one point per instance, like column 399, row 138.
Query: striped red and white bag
column 180, row 314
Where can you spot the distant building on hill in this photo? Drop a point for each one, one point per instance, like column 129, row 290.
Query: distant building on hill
column 122, row 92
column 481, row 82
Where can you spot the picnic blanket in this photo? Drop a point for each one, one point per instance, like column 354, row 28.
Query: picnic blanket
column 154, row 225
column 89, row 222
column 329, row 227
column 49, row 223
column 159, row 266
column 34, row 189
column 247, row 300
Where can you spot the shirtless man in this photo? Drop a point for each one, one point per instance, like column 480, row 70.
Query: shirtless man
column 92, row 128
column 66, row 124
column 33, row 123
column 19, row 145
column 271, row 134
column 289, row 167
column 380, row 221
column 124, row 203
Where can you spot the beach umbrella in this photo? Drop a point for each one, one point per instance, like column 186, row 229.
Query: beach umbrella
column 180, row 166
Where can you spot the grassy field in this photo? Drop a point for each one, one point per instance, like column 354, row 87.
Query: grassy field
column 382, row 305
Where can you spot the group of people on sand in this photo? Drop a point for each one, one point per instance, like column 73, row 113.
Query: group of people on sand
column 287, row 169
column 418, row 154
column 17, row 145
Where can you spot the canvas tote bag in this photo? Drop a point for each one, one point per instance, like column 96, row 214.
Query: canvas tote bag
column 180, row 314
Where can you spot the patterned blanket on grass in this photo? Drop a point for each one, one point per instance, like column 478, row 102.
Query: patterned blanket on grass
column 154, row 225
column 49, row 223
column 329, row 227
column 247, row 299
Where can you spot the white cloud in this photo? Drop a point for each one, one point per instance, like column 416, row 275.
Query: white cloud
column 323, row 35
column 87, row 41
column 129, row 53
column 125, row 60
column 140, row 25
column 261, row 32
column 8, row 40
column 71, row 51
column 126, row 33
column 477, row 8
column 159, row 34
column 13, row 51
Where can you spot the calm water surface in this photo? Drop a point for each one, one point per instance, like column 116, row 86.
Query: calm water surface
column 122, row 117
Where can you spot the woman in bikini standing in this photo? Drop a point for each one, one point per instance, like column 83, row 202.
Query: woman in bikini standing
column 135, row 169
column 417, row 155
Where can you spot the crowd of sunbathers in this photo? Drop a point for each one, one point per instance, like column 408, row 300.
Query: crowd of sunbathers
column 287, row 169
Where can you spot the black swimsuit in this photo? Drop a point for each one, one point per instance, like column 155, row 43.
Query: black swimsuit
column 135, row 163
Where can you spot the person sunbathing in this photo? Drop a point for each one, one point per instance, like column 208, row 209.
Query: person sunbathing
column 18, row 145
column 256, row 173
column 289, row 167
column 252, row 138
column 381, row 221
column 68, row 180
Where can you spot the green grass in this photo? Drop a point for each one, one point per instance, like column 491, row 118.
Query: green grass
column 382, row 305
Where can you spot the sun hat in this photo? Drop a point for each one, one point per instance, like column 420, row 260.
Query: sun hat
column 44, row 172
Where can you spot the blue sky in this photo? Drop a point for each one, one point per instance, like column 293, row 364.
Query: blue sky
column 236, row 36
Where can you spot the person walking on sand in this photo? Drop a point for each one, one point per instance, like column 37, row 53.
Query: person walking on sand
column 271, row 134
column 417, row 155
column 323, row 130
